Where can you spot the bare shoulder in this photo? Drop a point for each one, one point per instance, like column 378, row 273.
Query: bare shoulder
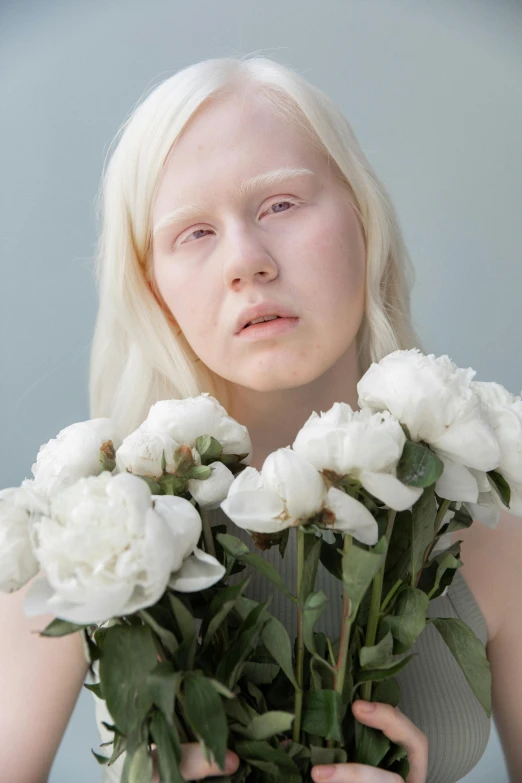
column 492, row 566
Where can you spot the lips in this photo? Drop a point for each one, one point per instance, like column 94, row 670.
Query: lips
column 259, row 311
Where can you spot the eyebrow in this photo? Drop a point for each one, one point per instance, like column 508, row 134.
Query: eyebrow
column 245, row 189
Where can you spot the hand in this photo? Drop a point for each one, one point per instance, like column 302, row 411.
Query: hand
column 194, row 766
column 398, row 728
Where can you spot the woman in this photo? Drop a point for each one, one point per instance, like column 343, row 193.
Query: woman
column 237, row 190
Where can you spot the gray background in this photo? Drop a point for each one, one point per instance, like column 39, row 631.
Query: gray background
column 433, row 93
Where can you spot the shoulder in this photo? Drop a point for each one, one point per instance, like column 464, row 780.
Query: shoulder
column 492, row 568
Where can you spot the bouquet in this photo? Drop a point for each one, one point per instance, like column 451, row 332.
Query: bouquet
column 118, row 532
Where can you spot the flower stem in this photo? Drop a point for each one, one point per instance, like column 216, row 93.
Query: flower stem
column 346, row 627
column 375, row 604
column 390, row 595
column 298, row 708
column 207, row 532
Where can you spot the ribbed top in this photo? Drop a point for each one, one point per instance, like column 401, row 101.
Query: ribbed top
column 434, row 693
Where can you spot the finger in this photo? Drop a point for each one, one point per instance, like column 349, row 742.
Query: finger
column 400, row 729
column 194, row 766
column 352, row 773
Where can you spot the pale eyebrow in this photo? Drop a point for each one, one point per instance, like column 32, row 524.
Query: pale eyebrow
column 245, row 189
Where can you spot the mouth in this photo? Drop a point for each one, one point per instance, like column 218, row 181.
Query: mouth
column 266, row 329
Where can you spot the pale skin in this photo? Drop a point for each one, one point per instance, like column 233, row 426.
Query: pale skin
column 298, row 243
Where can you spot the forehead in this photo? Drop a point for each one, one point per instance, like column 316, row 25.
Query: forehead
column 228, row 142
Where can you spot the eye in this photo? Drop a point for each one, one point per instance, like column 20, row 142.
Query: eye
column 275, row 204
column 279, row 203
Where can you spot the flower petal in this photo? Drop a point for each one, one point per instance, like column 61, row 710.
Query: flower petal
column 456, row 482
column 390, row 490
column 209, row 492
column 198, row 572
column 257, row 511
column 352, row 517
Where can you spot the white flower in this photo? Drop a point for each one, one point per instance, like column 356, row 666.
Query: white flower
column 287, row 490
column 142, row 451
column 18, row 564
column 208, row 493
column 187, row 419
column 362, row 444
column 434, row 399
column 73, row 454
column 109, row 548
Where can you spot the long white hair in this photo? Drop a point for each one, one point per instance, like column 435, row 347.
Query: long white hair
column 139, row 355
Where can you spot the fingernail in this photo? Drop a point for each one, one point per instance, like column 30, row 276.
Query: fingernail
column 365, row 706
column 324, row 771
column 231, row 762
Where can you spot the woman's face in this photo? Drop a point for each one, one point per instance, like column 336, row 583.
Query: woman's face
column 291, row 240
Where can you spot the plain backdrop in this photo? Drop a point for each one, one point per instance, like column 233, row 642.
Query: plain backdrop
column 433, row 92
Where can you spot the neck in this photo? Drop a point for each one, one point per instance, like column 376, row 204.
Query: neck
column 274, row 418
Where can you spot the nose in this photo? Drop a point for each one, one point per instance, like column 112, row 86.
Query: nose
column 247, row 259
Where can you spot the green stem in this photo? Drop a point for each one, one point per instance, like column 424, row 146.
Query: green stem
column 375, row 604
column 390, row 595
column 346, row 627
column 298, row 708
column 207, row 533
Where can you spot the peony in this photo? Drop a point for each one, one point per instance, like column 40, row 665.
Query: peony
column 208, row 493
column 289, row 490
column 187, row 419
column 109, row 548
column 73, row 454
column 18, row 508
column 142, row 452
column 361, row 444
column 434, row 399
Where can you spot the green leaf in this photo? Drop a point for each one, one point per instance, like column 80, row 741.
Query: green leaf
column 59, row 627
column 277, row 642
column 199, row 472
column 461, row 519
column 168, row 749
column 184, row 619
column 129, row 656
column 141, row 767
column 234, row 547
column 259, row 753
column 323, row 714
column 154, row 487
column 332, row 557
column 501, row 485
column 312, row 610
column 377, row 655
column 312, row 551
column 327, row 755
column 371, row 745
column 274, row 636
column 424, row 513
column 390, row 670
column 267, row 725
column 359, row 568
column 208, row 448
column 230, row 666
column 95, row 688
column 167, row 637
column 387, row 691
column 409, row 618
column 222, row 603
column 470, row 654
column 204, row 710
column 163, row 684
column 418, row 465
column 100, row 759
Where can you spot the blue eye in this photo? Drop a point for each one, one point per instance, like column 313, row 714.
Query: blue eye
column 278, row 203
column 275, row 204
